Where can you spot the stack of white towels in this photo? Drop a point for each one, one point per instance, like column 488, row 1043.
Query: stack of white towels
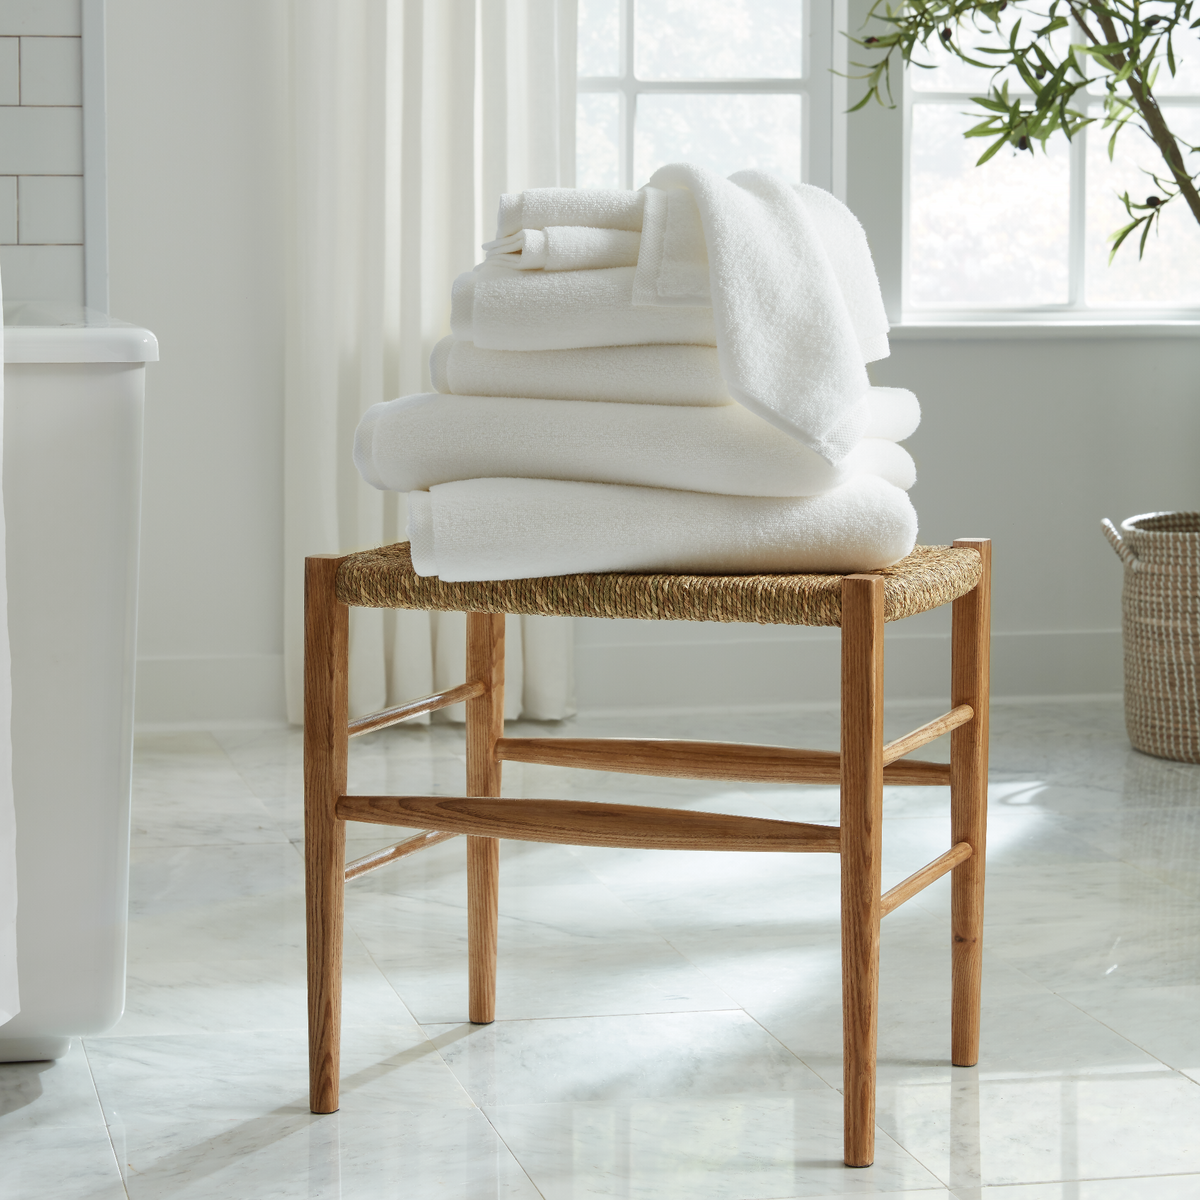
column 671, row 379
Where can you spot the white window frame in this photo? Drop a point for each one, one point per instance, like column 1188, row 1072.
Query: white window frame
column 814, row 86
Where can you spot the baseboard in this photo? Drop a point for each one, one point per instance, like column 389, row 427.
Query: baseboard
column 210, row 692
column 771, row 673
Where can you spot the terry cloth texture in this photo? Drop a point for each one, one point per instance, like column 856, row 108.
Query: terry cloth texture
column 929, row 577
column 601, row 208
column 520, row 528
column 419, row 441
column 564, row 248
column 499, row 309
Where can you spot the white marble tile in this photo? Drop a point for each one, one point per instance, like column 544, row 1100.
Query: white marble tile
column 243, row 1076
column 51, row 1094
column 720, row 1148
column 993, row 1132
column 1163, row 1021
column 366, row 1155
column 1153, row 1187
column 563, row 951
column 59, row 1163
column 658, row 1056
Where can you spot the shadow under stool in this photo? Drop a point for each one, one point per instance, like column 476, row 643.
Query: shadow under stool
column 860, row 604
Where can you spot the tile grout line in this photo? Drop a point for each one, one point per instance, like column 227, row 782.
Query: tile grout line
column 103, row 1116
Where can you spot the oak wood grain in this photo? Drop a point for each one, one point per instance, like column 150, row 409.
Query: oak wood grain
column 485, row 725
column 706, row 760
column 927, row 733
column 590, row 823
column 919, row 880
column 326, row 652
column 862, row 778
column 970, row 644
column 414, row 708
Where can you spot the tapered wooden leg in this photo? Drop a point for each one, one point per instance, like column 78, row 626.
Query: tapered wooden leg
column 862, row 844
column 969, row 684
column 326, row 653
column 485, row 725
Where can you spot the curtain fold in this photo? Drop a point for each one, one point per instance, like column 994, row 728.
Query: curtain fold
column 409, row 118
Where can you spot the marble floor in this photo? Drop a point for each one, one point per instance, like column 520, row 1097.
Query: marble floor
column 668, row 1023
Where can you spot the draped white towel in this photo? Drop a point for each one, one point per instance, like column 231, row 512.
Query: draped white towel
column 524, row 528
column 419, row 441
column 498, row 309
column 788, row 346
column 564, row 248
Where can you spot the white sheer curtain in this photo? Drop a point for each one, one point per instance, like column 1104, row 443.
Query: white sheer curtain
column 408, row 119
column 10, row 1003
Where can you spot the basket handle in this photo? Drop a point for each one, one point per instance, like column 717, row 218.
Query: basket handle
column 1124, row 551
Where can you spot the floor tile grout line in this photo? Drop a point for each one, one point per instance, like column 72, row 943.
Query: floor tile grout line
column 112, row 1145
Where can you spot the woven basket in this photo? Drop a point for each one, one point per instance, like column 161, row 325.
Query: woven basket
column 1160, row 624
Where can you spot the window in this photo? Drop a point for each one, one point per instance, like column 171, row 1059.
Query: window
column 729, row 85
column 1029, row 232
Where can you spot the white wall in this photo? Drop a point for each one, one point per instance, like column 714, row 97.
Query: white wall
column 196, row 145
column 1029, row 440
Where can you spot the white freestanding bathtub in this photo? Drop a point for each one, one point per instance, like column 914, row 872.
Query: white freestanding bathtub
column 74, row 387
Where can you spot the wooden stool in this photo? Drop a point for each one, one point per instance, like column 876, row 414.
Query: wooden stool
column 860, row 604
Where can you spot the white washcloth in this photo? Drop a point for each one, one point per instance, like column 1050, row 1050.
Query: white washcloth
column 788, row 348
column 417, row 442
column 634, row 374
column 564, row 248
column 526, row 528
column 602, row 208
column 563, row 310
column 673, row 267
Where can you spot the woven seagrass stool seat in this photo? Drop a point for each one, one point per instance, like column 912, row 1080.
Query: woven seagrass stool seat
column 859, row 604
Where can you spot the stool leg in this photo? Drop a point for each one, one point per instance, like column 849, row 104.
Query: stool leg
column 326, row 654
column 969, row 684
column 862, row 843
column 485, row 724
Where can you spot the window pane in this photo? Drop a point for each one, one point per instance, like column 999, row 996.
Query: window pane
column 995, row 235
column 723, row 133
column 1168, row 273
column 598, row 38
column 597, row 138
column 735, row 39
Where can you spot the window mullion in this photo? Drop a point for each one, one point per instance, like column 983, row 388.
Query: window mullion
column 1076, row 254
column 628, row 93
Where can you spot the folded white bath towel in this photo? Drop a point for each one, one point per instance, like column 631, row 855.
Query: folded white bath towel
column 564, row 248
column 523, row 528
column 499, row 309
column 788, row 347
column 602, row 208
column 635, row 374
column 632, row 374
column 419, row 441
column 673, row 266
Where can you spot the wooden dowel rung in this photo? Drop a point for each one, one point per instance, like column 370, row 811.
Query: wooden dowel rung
column 733, row 761
column 589, row 823
column 927, row 733
column 380, row 858
column 414, row 708
column 921, row 879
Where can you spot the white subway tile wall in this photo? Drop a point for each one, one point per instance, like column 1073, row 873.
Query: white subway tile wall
column 41, row 150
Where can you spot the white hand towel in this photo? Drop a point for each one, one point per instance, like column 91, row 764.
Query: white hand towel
column 563, row 310
column 788, row 348
column 564, row 248
column 633, row 374
column 673, row 267
column 417, row 442
column 602, row 208
column 526, row 528
column 893, row 413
